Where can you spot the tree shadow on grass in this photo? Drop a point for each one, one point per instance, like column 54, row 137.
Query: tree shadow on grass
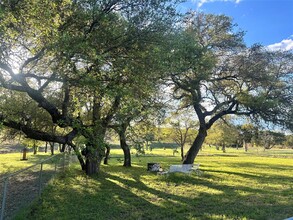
column 269, row 202
column 134, row 193
column 252, row 202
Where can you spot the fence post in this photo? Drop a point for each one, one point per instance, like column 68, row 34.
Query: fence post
column 40, row 179
column 4, row 198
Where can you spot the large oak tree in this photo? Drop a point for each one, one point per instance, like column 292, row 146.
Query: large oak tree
column 73, row 62
column 216, row 74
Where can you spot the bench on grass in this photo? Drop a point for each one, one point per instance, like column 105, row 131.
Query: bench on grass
column 182, row 168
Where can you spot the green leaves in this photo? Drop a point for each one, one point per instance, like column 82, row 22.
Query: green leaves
column 212, row 69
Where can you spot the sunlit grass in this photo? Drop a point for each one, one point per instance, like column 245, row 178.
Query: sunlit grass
column 11, row 162
column 235, row 185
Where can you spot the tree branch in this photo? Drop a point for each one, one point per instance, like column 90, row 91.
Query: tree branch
column 39, row 135
column 112, row 110
column 31, row 59
column 65, row 102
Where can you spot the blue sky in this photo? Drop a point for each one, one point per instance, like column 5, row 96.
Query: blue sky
column 269, row 22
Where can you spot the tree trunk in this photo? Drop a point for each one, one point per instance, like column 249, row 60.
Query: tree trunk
column 91, row 166
column 182, row 151
column 62, row 149
column 52, row 147
column 93, row 161
column 195, row 147
column 125, row 148
column 24, row 152
column 245, row 146
column 224, row 148
column 46, row 147
column 35, row 149
column 79, row 156
column 107, row 154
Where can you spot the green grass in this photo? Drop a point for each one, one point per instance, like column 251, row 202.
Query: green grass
column 235, row 185
column 11, row 162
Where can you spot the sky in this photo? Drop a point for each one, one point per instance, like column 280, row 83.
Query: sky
column 268, row 22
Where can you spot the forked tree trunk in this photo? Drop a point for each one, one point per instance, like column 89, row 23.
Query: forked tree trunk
column 126, row 150
column 195, row 147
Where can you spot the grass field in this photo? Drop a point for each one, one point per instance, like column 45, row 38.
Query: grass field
column 232, row 185
column 11, row 162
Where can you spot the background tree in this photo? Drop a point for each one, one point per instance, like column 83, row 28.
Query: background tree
column 183, row 129
column 289, row 141
column 223, row 134
column 140, row 101
column 217, row 75
column 249, row 134
column 269, row 139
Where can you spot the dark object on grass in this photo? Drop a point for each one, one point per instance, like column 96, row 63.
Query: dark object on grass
column 155, row 167
column 24, row 151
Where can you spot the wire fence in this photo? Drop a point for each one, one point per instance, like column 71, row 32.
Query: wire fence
column 19, row 189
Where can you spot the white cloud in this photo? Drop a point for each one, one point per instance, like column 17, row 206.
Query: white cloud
column 201, row 2
column 286, row 44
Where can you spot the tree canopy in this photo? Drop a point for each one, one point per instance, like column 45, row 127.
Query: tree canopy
column 216, row 74
column 72, row 62
column 77, row 68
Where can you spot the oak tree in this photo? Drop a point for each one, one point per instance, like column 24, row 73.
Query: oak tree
column 216, row 74
column 71, row 60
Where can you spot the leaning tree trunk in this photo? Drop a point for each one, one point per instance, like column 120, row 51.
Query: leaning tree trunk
column 195, row 147
column 79, row 156
column 126, row 150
